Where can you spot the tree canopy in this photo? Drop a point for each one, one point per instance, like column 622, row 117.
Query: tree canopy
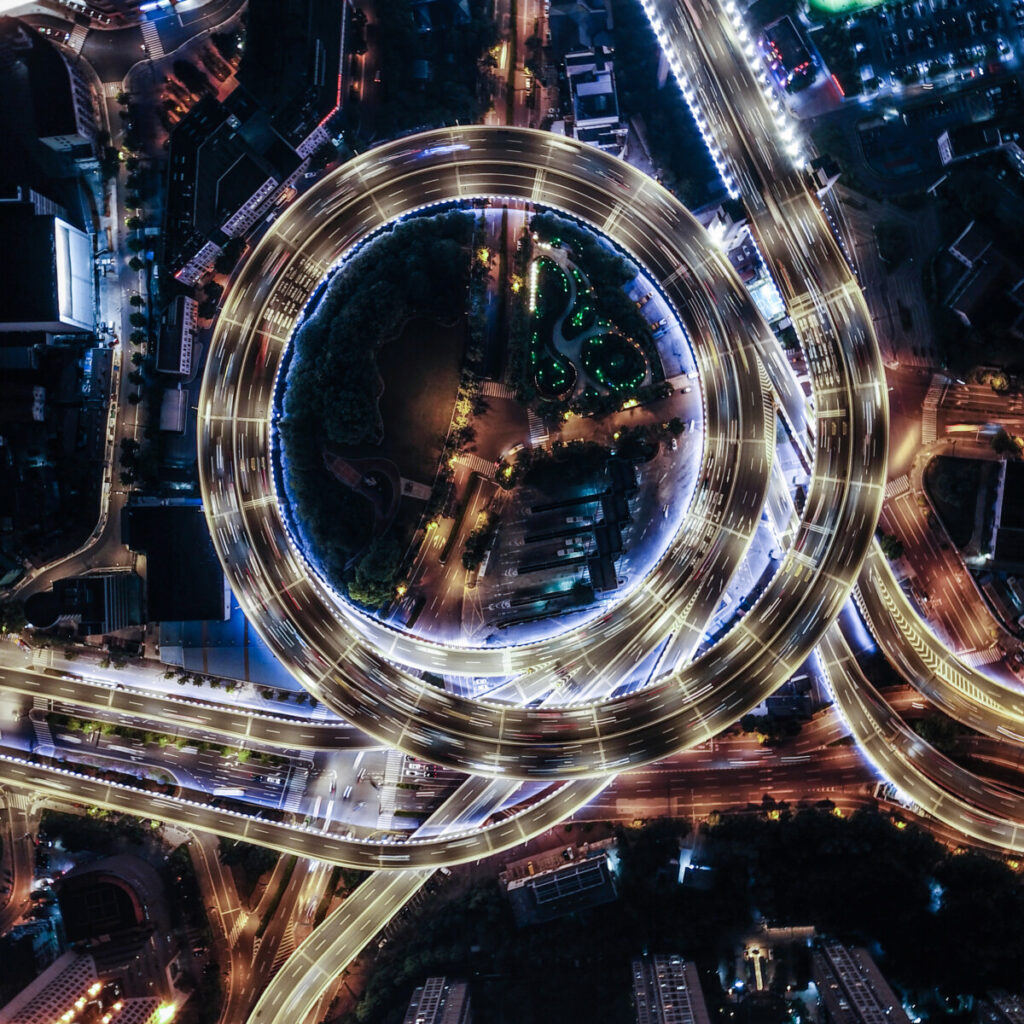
column 418, row 267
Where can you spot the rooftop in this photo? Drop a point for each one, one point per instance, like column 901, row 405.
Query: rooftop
column 292, row 61
column 46, row 268
column 184, row 579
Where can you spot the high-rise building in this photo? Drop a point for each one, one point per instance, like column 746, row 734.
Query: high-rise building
column 852, row 989
column 439, row 1001
column 71, row 989
column 666, row 990
column 52, row 86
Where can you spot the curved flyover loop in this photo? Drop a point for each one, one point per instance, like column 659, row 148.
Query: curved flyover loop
column 683, row 707
column 269, row 294
column 961, row 692
column 816, row 283
column 977, row 809
column 739, row 412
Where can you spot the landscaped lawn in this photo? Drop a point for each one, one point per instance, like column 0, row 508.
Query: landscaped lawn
column 420, row 370
column 613, row 361
column 552, row 374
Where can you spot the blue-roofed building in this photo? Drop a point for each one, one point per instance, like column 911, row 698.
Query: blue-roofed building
column 228, row 648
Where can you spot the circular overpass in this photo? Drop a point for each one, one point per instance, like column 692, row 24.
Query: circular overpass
column 359, row 665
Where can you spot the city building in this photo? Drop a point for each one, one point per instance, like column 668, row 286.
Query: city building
column 21, row 401
column 184, row 578
column 787, row 54
column 51, row 86
column 578, row 878
column 108, row 903
column 1002, row 1008
column 439, row 1001
column 666, row 990
column 177, row 336
column 100, row 601
column 825, row 172
column 115, row 13
column 579, row 25
column 71, row 990
column 293, row 63
column 173, row 410
column 726, row 222
column 595, row 105
column 227, row 165
column 965, row 141
column 27, row 950
column 1008, row 522
column 851, row 987
column 46, row 267
column 988, row 277
column 970, row 245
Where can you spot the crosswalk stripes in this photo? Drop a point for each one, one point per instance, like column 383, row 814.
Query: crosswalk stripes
column 894, row 488
column 475, row 464
column 241, row 918
column 538, row 432
column 388, row 791
column 41, row 727
column 975, row 659
column 285, row 949
column 930, row 407
column 152, row 39
column 296, row 787
column 496, row 389
column 77, row 38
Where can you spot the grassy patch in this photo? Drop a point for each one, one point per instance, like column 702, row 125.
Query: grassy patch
column 416, row 408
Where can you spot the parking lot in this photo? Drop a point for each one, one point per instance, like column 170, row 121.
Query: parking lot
column 931, row 42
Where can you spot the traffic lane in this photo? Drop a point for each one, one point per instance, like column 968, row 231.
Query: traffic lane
column 197, row 717
column 969, row 696
column 962, row 614
column 368, row 853
column 315, row 965
column 943, row 789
